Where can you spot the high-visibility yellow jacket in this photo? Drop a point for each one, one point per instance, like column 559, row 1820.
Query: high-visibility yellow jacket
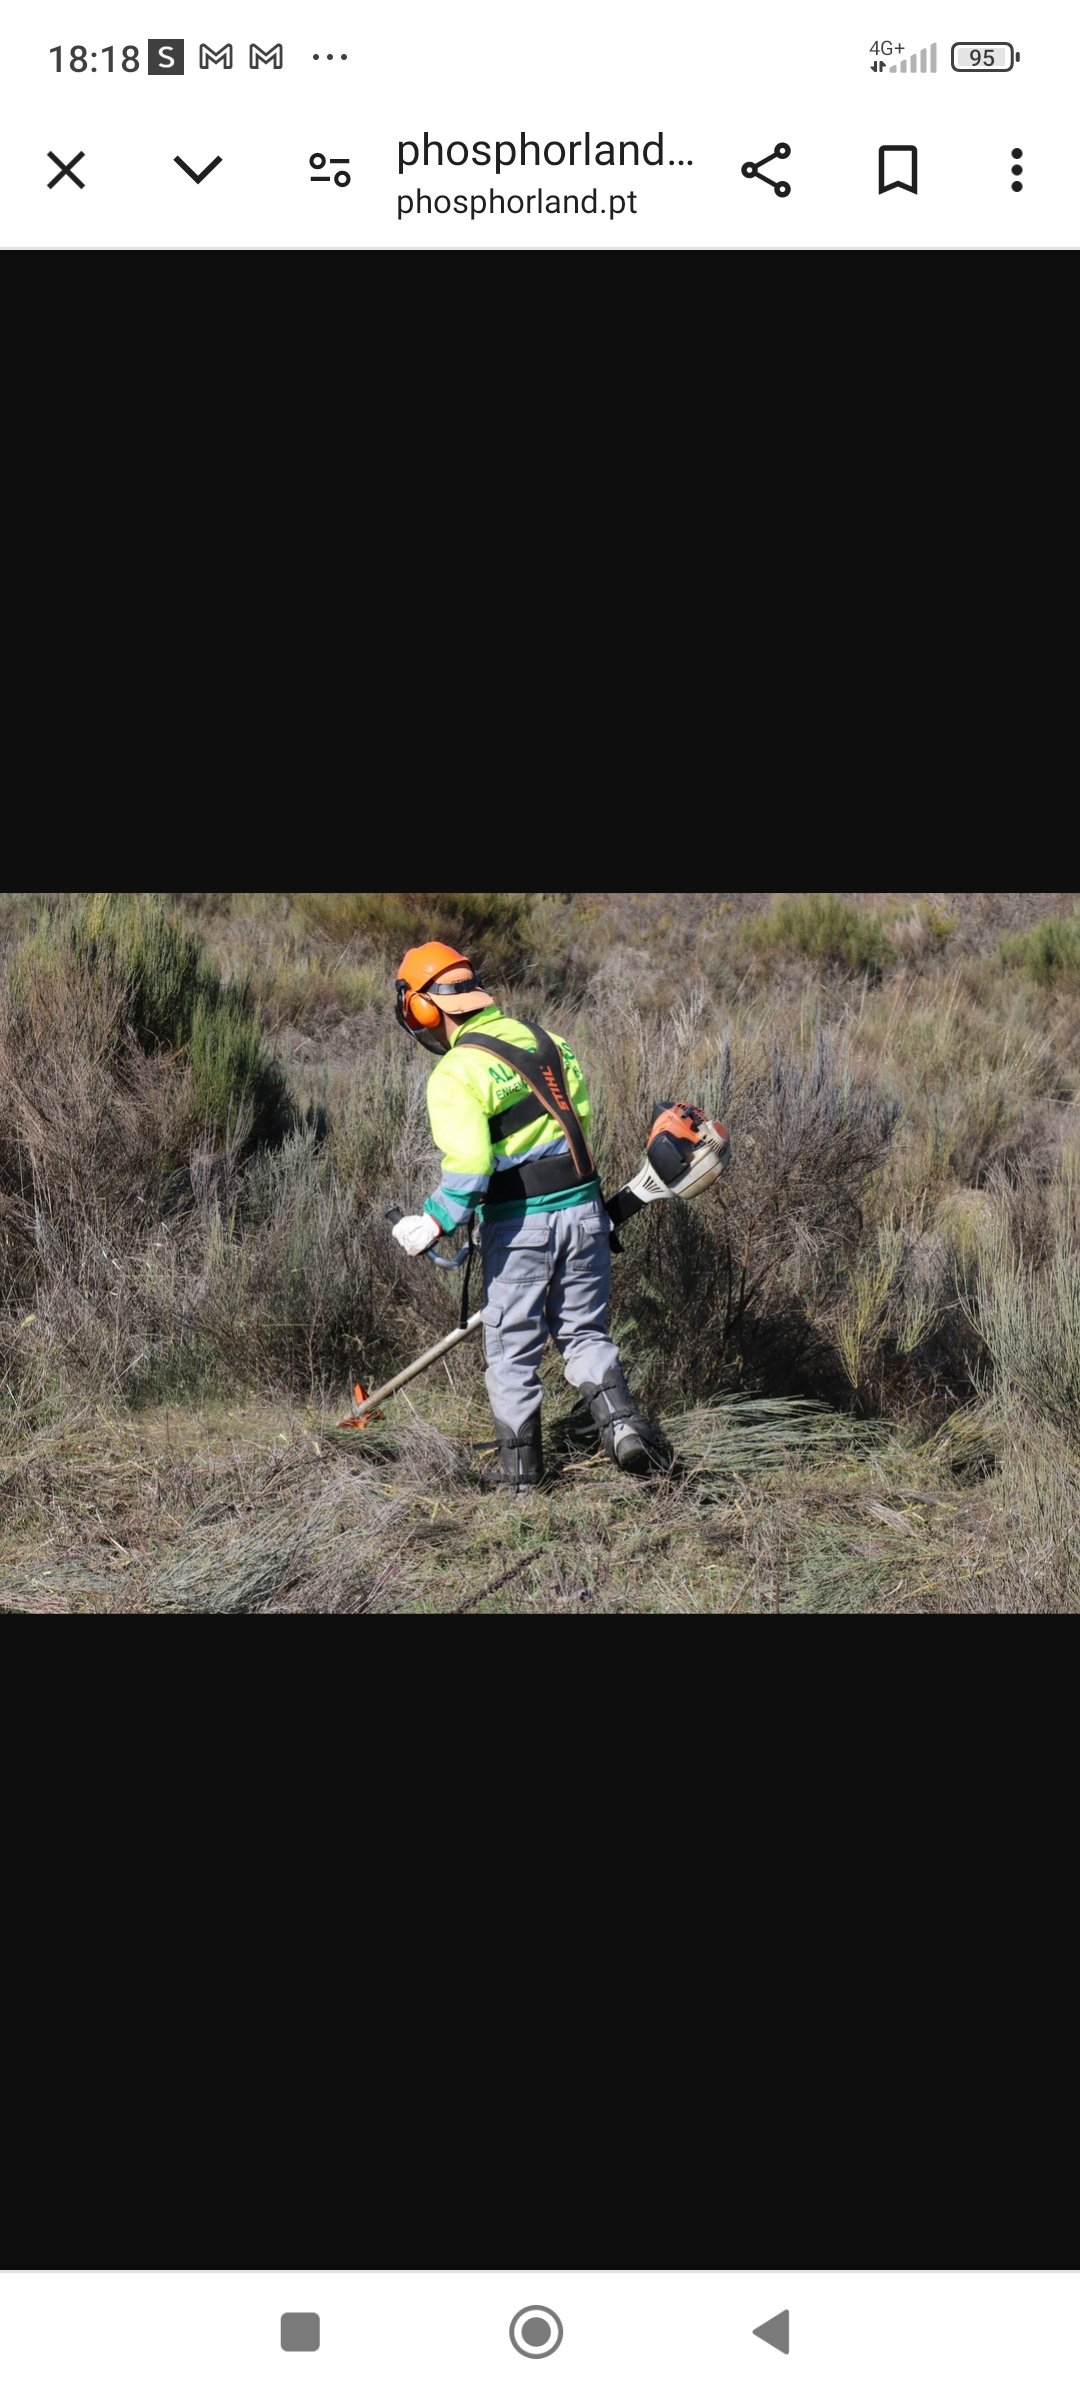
column 465, row 1090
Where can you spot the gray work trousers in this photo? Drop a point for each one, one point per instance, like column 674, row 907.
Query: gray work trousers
column 548, row 1274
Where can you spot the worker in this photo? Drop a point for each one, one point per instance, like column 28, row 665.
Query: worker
column 510, row 1113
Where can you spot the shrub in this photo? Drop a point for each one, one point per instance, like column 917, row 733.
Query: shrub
column 161, row 965
column 922, row 929
column 740, row 1284
column 940, row 923
column 894, row 1307
column 86, row 1118
column 1047, row 950
column 176, row 1001
column 234, row 1080
column 301, row 991
column 264, row 1286
column 286, row 1279
column 824, row 926
column 493, row 926
column 1029, row 1318
column 83, row 1112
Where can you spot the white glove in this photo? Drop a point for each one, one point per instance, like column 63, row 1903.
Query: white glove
column 416, row 1233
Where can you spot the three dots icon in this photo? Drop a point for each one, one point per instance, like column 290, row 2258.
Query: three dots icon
column 1017, row 170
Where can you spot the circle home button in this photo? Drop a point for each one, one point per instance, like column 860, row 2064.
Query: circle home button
column 536, row 2332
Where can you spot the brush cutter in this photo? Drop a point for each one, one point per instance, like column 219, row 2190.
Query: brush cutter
column 367, row 1401
column 685, row 1153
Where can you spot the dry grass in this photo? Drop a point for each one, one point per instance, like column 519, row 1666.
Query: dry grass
column 768, row 1510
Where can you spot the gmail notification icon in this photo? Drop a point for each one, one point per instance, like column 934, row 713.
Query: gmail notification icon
column 897, row 168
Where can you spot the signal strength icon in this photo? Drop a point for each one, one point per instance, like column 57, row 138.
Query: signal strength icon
column 918, row 66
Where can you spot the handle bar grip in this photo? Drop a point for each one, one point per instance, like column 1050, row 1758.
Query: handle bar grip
column 393, row 1216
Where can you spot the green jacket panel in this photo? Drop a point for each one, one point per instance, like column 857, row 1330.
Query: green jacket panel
column 465, row 1090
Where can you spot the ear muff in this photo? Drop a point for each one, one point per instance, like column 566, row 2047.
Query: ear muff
column 415, row 1014
column 415, row 1009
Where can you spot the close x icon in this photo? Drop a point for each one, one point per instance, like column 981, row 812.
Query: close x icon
column 67, row 170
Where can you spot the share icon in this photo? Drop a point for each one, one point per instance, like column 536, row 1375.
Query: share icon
column 753, row 168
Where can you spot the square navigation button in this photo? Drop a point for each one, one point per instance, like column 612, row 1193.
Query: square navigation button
column 300, row 2332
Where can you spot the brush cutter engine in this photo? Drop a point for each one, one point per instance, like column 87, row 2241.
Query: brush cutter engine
column 686, row 1151
column 682, row 1138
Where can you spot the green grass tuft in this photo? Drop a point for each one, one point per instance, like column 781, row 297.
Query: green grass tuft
column 493, row 927
column 1047, row 951
column 827, row 927
column 177, row 1001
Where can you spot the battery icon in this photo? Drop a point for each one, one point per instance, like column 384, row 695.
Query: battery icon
column 971, row 58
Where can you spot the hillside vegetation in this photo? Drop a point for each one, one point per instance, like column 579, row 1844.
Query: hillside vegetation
column 863, row 1345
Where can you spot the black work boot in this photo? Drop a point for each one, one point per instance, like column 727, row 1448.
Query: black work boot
column 521, row 1457
column 628, row 1438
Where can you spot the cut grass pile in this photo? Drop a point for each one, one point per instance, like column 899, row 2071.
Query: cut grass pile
column 771, row 1508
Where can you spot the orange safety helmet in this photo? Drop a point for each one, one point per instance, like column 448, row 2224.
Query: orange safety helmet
column 420, row 1000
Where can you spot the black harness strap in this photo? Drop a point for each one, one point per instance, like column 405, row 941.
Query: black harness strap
column 545, row 1075
column 510, row 1120
column 535, row 1179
